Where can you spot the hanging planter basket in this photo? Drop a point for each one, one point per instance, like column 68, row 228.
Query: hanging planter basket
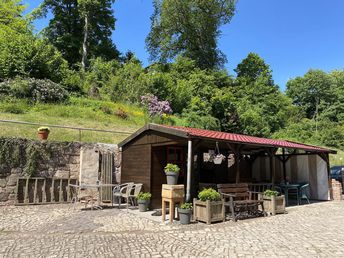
column 218, row 157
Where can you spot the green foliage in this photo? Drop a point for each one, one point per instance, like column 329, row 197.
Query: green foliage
column 16, row 152
column 144, row 196
column 313, row 92
column 261, row 107
column 11, row 16
column 36, row 90
column 270, row 193
column 177, row 27
column 21, row 54
column 128, row 83
column 186, row 206
column 209, row 194
column 43, row 128
column 253, row 67
column 172, row 168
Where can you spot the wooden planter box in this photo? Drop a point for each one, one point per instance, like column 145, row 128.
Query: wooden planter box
column 208, row 211
column 274, row 204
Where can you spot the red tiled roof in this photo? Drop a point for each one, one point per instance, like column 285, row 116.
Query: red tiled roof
column 232, row 137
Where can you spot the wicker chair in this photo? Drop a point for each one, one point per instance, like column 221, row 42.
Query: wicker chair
column 123, row 191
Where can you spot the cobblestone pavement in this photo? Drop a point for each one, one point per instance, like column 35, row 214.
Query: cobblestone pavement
column 314, row 230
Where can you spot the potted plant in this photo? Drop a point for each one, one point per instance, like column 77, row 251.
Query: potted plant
column 273, row 203
column 143, row 200
column 185, row 212
column 210, row 207
column 218, row 159
column 43, row 132
column 172, row 173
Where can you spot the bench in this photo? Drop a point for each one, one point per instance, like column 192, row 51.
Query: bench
column 240, row 200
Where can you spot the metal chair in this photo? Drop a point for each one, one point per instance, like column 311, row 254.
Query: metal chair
column 123, row 191
column 304, row 193
column 136, row 189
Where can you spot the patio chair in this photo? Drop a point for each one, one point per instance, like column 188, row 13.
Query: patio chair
column 123, row 191
column 136, row 189
column 304, row 192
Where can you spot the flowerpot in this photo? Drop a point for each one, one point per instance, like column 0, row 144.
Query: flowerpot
column 43, row 135
column 209, row 211
column 143, row 205
column 172, row 178
column 217, row 160
column 274, row 204
column 184, row 216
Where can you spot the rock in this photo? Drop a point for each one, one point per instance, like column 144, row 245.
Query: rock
column 75, row 159
column 4, row 196
column 16, row 171
column 62, row 174
column 3, row 182
column 74, row 168
column 12, row 179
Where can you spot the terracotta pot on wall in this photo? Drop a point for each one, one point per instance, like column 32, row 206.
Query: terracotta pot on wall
column 43, row 135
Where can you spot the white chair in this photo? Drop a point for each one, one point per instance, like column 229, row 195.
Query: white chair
column 123, row 191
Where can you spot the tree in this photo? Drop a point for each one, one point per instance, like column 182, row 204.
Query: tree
column 11, row 16
column 190, row 28
column 312, row 93
column 21, row 53
column 262, row 108
column 80, row 29
column 252, row 67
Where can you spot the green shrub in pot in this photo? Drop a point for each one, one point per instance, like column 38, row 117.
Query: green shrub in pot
column 209, row 194
column 143, row 199
column 185, row 212
column 172, row 173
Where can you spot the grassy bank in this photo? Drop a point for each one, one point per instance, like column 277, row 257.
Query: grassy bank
column 79, row 112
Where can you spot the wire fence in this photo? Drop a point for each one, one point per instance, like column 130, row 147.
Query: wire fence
column 78, row 129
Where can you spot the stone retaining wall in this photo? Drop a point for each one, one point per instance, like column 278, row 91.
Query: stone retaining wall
column 63, row 163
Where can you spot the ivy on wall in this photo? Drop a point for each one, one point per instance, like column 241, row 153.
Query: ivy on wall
column 16, row 152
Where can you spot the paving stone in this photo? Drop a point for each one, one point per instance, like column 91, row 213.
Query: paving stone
column 61, row 231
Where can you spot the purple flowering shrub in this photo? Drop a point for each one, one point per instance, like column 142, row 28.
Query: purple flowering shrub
column 155, row 106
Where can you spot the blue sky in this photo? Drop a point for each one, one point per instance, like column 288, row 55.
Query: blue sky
column 291, row 35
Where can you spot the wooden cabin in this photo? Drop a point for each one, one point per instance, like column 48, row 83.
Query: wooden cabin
column 247, row 159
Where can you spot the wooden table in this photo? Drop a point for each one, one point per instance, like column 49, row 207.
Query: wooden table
column 96, row 186
column 173, row 194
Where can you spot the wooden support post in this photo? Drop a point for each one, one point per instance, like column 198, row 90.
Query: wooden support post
column 272, row 167
column 237, row 167
column 283, row 164
column 189, row 168
column 327, row 158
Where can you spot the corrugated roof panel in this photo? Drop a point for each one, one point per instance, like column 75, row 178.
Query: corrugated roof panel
column 215, row 135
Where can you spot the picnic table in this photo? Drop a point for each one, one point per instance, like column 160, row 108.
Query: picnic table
column 291, row 186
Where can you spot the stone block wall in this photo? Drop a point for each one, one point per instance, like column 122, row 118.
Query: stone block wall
column 64, row 162
column 336, row 190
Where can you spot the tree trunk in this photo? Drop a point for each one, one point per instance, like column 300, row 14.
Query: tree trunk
column 84, row 44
